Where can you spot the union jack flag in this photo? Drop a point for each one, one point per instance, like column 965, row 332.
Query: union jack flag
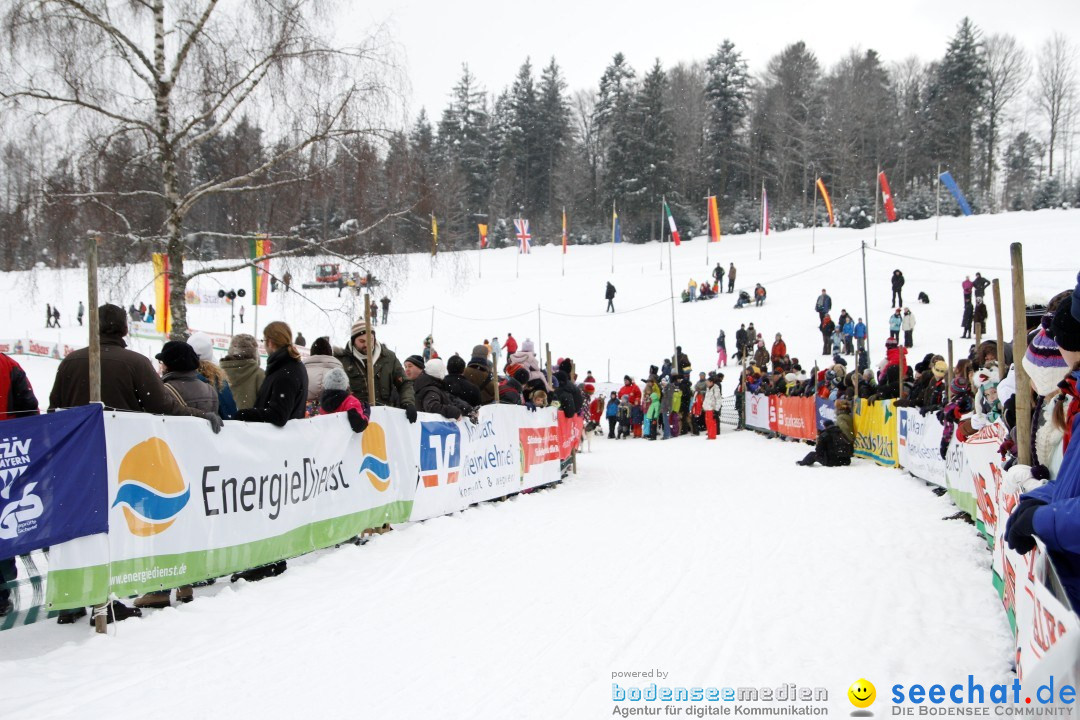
column 523, row 235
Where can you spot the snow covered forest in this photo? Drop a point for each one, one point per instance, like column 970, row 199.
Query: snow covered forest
column 184, row 131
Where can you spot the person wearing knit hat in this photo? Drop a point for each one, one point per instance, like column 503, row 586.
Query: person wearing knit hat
column 241, row 365
column 1043, row 361
column 1065, row 327
column 336, row 398
column 413, row 366
column 392, row 387
column 202, row 345
column 432, row 395
column 435, row 368
column 178, row 357
column 458, row 385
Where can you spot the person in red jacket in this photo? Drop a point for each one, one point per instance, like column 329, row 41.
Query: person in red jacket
column 16, row 395
column 632, row 393
column 510, row 345
column 17, row 399
column 779, row 349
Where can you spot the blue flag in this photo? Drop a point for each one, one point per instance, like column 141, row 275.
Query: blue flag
column 947, row 178
column 616, row 228
column 53, row 479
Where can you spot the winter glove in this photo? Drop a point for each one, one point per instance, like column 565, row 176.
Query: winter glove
column 410, row 413
column 215, row 422
column 357, row 422
column 1021, row 526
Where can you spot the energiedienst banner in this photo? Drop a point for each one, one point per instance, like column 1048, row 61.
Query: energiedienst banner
column 187, row 505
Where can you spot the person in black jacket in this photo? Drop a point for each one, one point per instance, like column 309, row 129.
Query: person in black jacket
column 609, row 295
column 282, row 397
column 897, row 289
column 283, row 394
column 458, row 385
column 431, row 393
column 980, row 284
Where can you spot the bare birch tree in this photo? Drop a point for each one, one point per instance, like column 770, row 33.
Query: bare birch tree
column 1055, row 86
column 175, row 74
column 1007, row 72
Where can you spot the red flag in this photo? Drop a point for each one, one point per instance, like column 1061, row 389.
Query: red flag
column 886, row 197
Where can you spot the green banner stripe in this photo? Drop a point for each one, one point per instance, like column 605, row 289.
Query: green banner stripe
column 91, row 585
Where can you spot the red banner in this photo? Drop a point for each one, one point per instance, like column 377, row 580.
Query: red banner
column 538, row 445
column 794, row 417
column 571, row 431
column 886, row 197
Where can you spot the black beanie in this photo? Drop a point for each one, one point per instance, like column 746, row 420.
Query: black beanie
column 416, row 360
column 455, row 365
column 567, row 365
column 521, row 375
column 112, row 320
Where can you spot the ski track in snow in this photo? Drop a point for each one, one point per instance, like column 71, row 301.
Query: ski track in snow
column 720, row 563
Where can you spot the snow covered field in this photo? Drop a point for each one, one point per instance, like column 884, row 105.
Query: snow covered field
column 720, row 563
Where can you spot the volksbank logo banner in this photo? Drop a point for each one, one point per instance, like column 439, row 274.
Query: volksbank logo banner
column 185, row 504
column 462, row 463
column 52, row 479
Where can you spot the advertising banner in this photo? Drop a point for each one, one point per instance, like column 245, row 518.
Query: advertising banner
column 187, row 505
column 462, row 463
column 571, row 431
column 919, row 445
column 42, row 501
column 876, row 431
column 538, row 433
column 794, row 417
column 825, row 409
column 757, row 412
column 972, row 472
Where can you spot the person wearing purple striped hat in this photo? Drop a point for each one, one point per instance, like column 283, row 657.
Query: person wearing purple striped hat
column 1052, row 512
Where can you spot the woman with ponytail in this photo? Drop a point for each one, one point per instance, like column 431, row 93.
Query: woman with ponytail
column 283, row 393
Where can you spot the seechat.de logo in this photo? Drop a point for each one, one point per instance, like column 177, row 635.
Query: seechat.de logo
column 375, row 466
column 440, row 453
column 152, row 491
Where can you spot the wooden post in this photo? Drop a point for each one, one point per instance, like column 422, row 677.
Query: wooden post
column 547, row 352
column 101, row 620
column 948, row 374
column 368, row 344
column 978, row 333
column 495, row 378
column 1023, row 382
column 999, row 321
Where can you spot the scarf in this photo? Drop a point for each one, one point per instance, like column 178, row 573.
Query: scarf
column 331, row 400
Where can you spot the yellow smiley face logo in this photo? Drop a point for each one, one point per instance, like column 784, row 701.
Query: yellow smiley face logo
column 862, row 693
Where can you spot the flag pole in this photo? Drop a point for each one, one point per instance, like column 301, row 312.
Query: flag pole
column 612, row 237
column 761, row 230
column 877, row 200
column 708, row 233
column 813, row 228
column 479, row 255
column 662, row 221
column 937, row 201
column 517, row 260
column 671, row 286
column 564, row 241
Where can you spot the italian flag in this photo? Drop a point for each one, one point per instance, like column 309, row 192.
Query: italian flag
column 671, row 224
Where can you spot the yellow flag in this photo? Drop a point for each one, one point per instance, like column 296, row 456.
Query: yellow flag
column 434, row 235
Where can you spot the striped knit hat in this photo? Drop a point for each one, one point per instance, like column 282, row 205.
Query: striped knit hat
column 1043, row 360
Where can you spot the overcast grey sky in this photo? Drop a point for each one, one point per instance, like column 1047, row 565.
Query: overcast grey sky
column 495, row 36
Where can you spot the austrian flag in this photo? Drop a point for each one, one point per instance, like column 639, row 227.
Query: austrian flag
column 671, row 224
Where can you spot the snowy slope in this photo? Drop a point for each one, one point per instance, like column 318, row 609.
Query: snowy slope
column 573, row 321
column 722, row 564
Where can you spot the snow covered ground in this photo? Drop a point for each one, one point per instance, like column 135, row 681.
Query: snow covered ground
column 740, row 569
column 720, row 563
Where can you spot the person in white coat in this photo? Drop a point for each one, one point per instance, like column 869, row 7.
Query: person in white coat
column 908, row 325
column 711, row 405
column 318, row 364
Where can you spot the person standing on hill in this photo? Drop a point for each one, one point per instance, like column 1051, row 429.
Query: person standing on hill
column 48, row 315
column 731, row 278
column 718, row 276
column 980, row 317
column 897, row 289
column 609, row 294
column 969, row 316
column 823, row 304
column 909, row 328
column 860, row 334
column 80, row 312
column 827, row 327
column 979, row 284
column 385, row 302
column 968, row 286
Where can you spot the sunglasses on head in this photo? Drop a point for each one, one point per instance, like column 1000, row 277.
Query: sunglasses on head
column 362, row 331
